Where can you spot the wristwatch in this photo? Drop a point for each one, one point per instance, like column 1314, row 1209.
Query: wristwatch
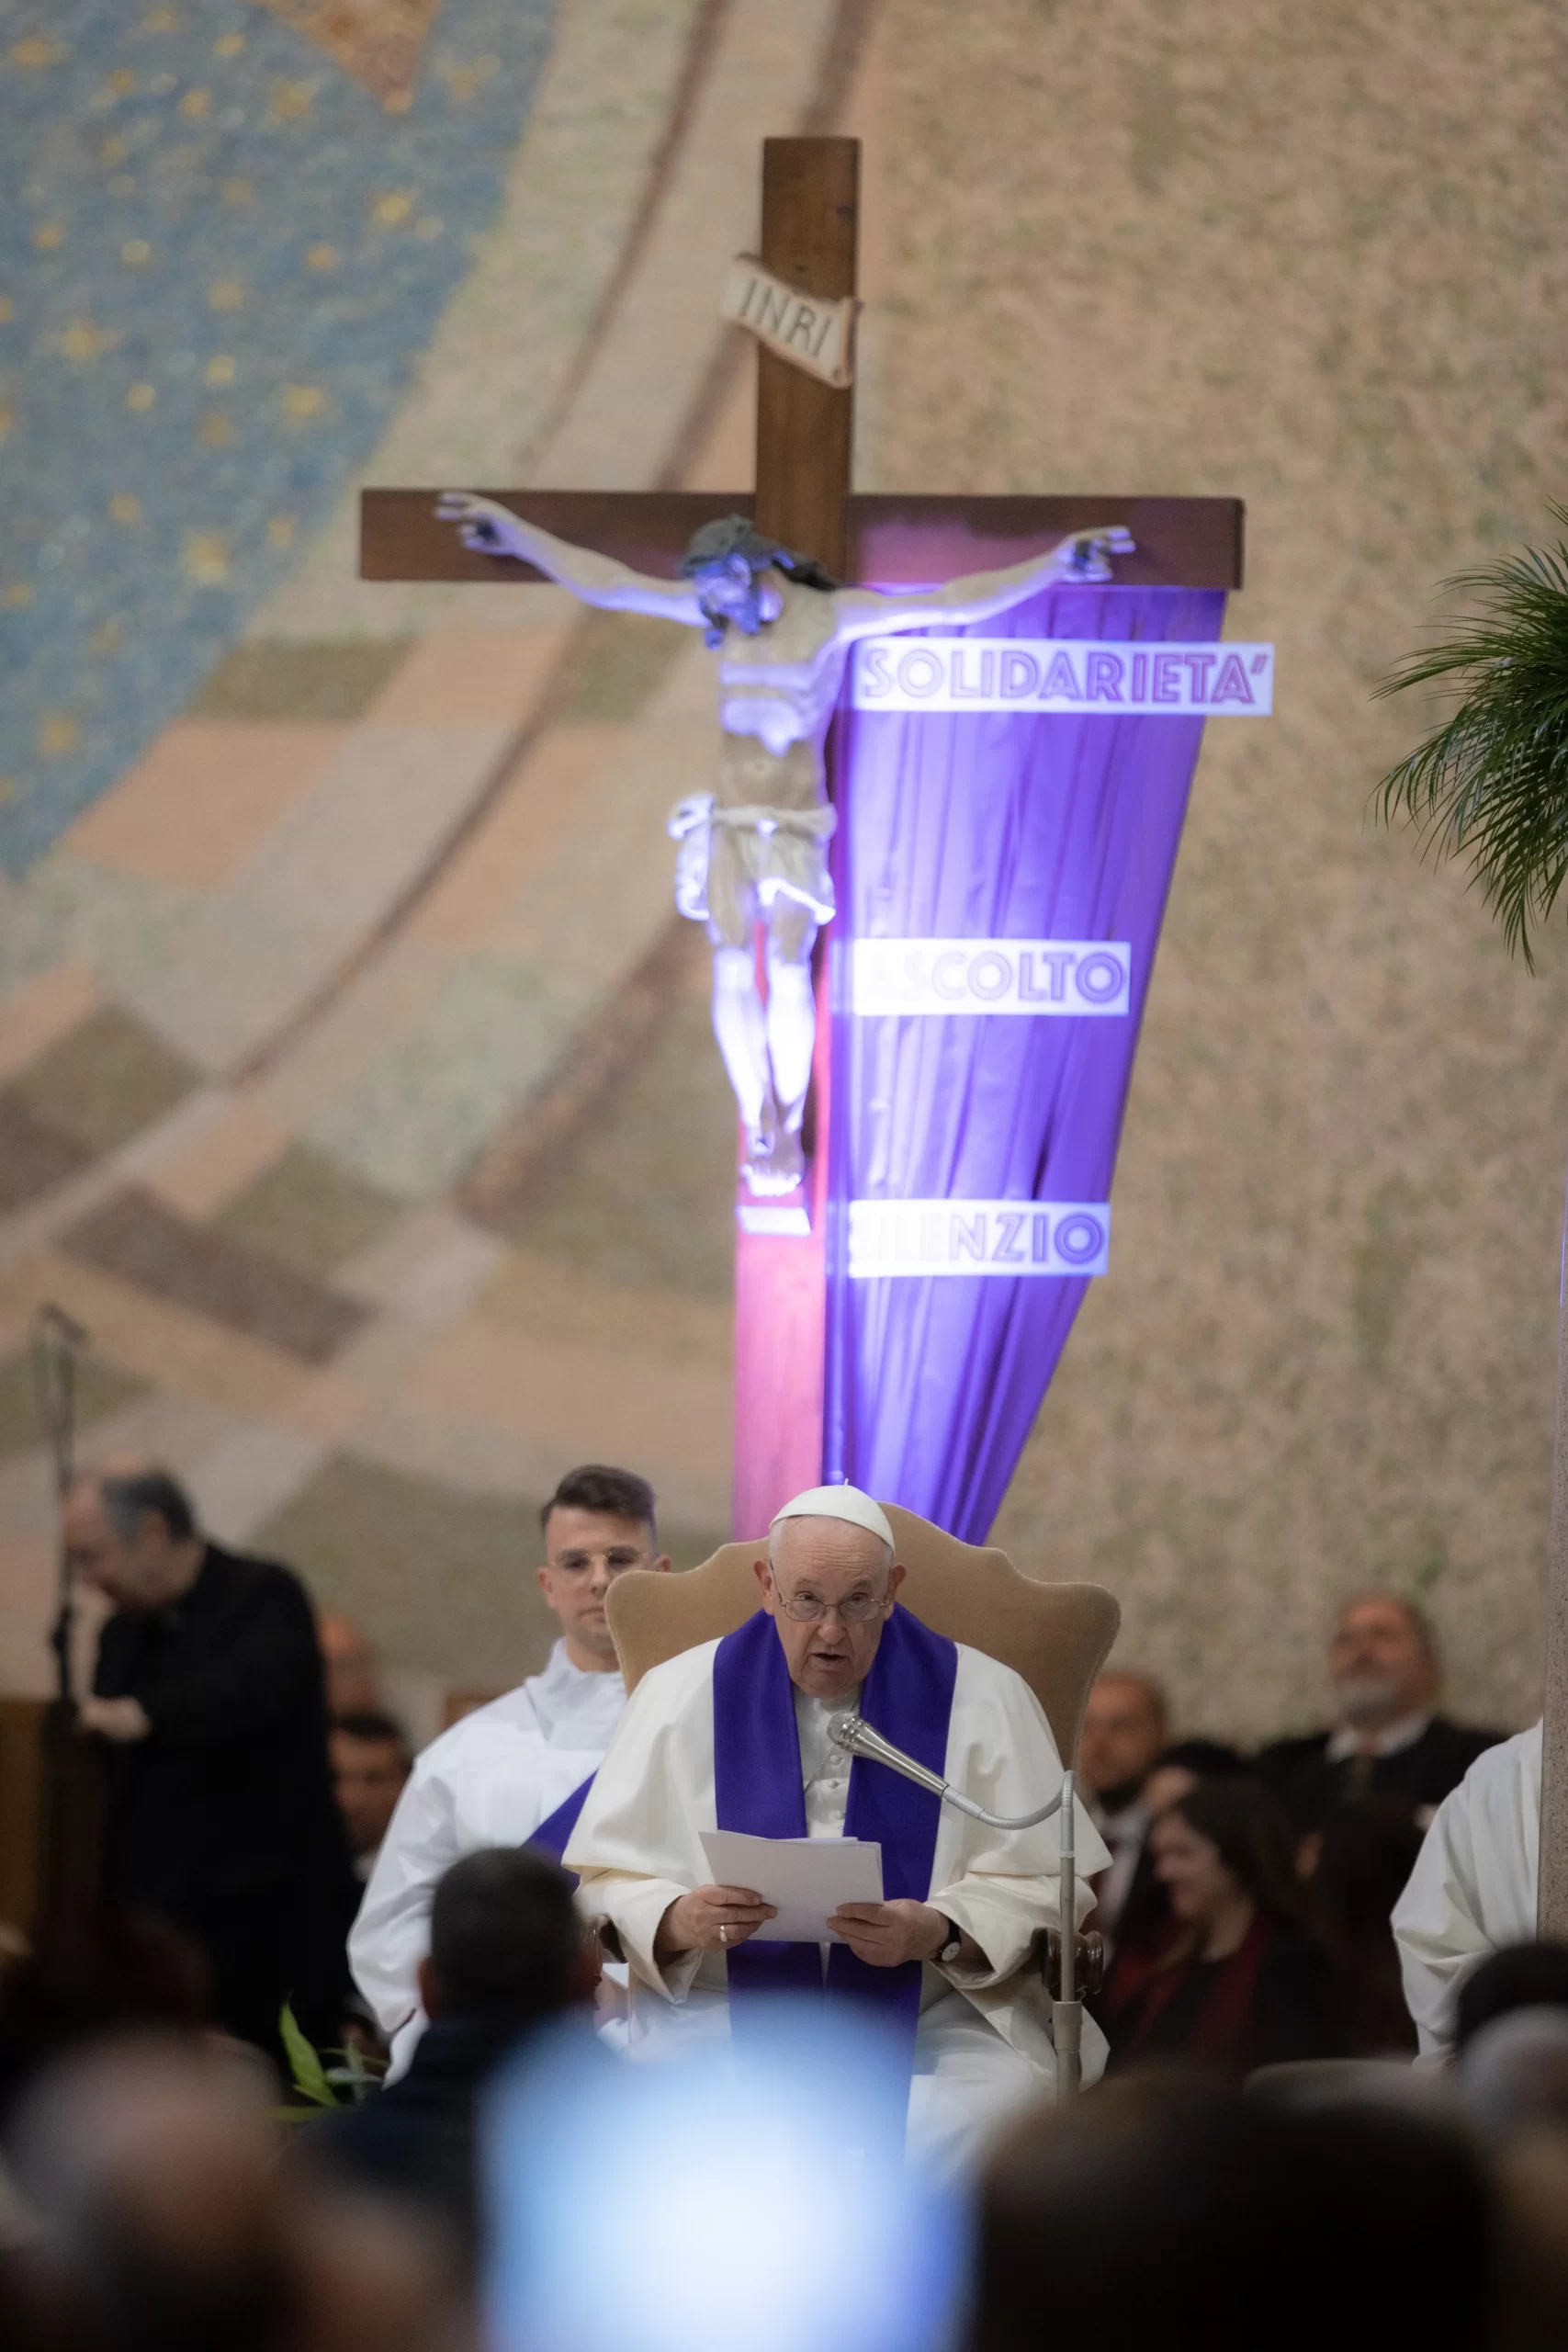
column 952, row 1948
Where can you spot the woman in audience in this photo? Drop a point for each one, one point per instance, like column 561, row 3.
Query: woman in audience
column 1242, row 1982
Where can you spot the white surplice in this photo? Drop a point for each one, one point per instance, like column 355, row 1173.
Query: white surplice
column 983, row 2044
column 490, row 1781
column 1473, row 1888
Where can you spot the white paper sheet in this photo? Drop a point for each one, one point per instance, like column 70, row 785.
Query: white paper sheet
column 805, row 1879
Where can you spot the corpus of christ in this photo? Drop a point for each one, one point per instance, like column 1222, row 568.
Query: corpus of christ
column 783, row 1484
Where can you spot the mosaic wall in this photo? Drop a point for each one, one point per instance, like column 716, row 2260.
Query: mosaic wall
column 354, row 1084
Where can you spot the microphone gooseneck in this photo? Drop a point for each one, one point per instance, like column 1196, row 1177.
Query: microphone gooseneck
column 851, row 1732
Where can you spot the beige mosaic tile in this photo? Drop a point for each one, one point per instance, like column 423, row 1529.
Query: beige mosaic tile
column 226, row 1154
column 553, row 783
column 184, row 1354
column 104, row 1082
column 205, row 793
column 323, row 680
column 471, row 677
column 306, row 1211
column 36, row 1014
column 333, row 865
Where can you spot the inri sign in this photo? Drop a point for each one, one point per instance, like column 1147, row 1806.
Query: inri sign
column 1087, row 676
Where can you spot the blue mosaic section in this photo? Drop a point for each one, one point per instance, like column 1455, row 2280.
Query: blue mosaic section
column 221, row 256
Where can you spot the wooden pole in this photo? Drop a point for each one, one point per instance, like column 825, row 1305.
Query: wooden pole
column 811, row 211
column 1552, row 1916
column 810, row 216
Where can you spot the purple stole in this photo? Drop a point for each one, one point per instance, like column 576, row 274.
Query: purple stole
column 909, row 1698
column 553, row 1835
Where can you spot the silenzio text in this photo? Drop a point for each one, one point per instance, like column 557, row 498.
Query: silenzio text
column 892, row 977
column 1055, row 674
column 1007, row 1238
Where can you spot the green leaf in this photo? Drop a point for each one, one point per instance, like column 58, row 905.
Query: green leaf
column 1491, row 783
column 310, row 2076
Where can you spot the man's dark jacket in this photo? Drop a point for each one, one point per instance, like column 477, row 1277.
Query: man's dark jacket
column 1418, row 1778
column 223, row 1820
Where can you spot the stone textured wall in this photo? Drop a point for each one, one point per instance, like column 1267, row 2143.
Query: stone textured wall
column 1316, row 260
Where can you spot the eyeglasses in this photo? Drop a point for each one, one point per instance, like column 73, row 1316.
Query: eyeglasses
column 617, row 1560
column 809, row 1608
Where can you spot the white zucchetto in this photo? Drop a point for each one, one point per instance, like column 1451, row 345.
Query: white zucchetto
column 847, row 1503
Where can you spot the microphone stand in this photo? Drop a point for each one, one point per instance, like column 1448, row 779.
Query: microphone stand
column 850, row 1732
column 69, row 1849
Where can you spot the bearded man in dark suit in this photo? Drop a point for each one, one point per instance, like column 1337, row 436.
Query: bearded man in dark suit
column 1390, row 1741
column 207, row 1694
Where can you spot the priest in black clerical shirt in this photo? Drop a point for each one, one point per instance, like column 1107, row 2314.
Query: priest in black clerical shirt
column 1390, row 1741
column 219, row 1814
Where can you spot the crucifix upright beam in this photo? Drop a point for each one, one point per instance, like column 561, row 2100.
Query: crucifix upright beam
column 804, row 499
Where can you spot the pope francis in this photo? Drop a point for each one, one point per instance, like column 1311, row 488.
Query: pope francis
column 736, row 1735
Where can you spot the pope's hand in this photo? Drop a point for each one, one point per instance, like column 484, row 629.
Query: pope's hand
column 886, row 1934
column 711, row 1918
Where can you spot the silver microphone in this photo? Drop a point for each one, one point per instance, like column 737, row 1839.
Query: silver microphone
column 850, row 1732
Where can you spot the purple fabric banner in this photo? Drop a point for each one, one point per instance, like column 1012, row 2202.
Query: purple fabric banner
column 992, row 827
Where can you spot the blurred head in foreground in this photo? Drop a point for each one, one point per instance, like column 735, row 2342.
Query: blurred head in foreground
column 91, row 1979
column 1161, row 2212
column 753, row 2191
column 165, row 2224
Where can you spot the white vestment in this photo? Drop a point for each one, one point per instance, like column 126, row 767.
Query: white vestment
column 490, row 1781
column 1474, row 1885
column 983, row 2045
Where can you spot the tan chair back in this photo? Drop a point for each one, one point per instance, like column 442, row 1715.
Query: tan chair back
column 1056, row 1635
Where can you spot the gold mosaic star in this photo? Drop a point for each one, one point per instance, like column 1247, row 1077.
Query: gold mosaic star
column 160, row 20
column 303, row 399
column 48, row 235
column 34, row 53
column 229, row 45
column 217, row 429
column 58, row 733
column 122, row 82
column 106, row 636
column 227, row 294
column 394, row 208
column 15, row 595
column 195, row 103
column 8, row 418
column 140, row 399
column 282, row 531
column 7, row 310
column 291, row 101
column 136, row 253
column 220, row 369
column 205, row 559
column 125, row 507
column 238, row 191
column 83, row 340
column 320, row 257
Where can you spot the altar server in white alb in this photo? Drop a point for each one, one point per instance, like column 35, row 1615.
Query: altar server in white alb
column 1474, row 1888
column 513, row 1772
column 735, row 1735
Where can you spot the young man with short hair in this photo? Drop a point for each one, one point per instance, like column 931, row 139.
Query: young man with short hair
column 503, row 1772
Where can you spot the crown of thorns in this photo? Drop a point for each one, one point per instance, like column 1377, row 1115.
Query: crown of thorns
column 713, row 547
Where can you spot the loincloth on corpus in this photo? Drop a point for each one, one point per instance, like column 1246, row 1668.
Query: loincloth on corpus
column 732, row 861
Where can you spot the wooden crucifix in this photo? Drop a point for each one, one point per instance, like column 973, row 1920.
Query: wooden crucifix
column 966, row 557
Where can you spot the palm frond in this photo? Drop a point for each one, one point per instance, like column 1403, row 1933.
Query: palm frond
column 1491, row 783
